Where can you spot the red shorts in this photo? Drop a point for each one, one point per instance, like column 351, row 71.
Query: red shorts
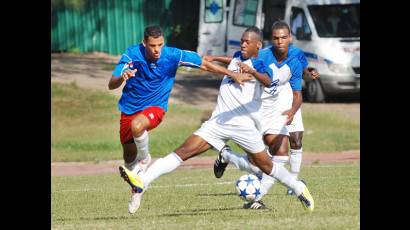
column 154, row 115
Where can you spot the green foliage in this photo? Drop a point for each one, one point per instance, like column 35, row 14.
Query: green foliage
column 195, row 198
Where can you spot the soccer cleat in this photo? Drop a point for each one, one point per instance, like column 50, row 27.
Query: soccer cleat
column 291, row 192
column 133, row 180
column 135, row 201
column 307, row 200
column 219, row 167
column 143, row 164
column 254, row 205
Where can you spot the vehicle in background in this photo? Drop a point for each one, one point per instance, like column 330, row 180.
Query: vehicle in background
column 328, row 32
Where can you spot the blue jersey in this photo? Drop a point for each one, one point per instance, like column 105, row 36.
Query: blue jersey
column 153, row 81
column 291, row 63
column 295, row 51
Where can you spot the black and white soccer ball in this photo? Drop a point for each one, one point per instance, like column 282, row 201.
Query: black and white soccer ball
column 248, row 187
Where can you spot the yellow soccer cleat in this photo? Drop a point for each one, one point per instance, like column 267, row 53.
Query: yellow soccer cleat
column 307, row 200
column 133, row 180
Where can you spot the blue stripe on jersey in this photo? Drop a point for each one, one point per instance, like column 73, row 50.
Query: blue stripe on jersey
column 153, row 81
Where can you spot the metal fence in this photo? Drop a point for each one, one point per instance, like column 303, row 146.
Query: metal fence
column 111, row 26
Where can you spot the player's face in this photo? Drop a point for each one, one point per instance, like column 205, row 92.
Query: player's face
column 280, row 40
column 250, row 44
column 153, row 47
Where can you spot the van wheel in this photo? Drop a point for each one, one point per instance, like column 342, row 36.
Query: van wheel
column 314, row 91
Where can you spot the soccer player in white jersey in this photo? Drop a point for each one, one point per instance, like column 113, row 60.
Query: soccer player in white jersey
column 279, row 107
column 236, row 117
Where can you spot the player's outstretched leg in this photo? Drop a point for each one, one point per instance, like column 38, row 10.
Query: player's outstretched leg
column 282, row 174
column 240, row 161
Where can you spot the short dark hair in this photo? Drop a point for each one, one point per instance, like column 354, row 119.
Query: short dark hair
column 255, row 30
column 280, row 24
column 152, row 31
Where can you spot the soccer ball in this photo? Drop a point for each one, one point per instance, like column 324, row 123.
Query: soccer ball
column 248, row 187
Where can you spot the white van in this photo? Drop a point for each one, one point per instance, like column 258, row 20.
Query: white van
column 328, row 31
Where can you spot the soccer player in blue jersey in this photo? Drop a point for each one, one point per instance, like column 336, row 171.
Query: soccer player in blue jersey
column 149, row 70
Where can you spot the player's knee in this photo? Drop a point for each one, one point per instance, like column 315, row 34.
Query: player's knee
column 296, row 143
column 137, row 128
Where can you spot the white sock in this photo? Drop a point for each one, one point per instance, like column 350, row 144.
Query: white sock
column 240, row 161
column 295, row 161
column 161, row 166
column 130, row 166
column 282, row 174
column 268, row 181
column 142, row 145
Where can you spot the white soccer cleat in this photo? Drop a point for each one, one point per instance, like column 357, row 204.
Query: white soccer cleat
column 143, row 164
column 135, row 201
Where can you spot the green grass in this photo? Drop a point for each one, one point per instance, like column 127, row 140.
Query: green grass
column 85, row 124
column 329, row 131
column 195, row 199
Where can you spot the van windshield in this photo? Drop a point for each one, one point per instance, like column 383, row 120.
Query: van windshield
column 336, row 20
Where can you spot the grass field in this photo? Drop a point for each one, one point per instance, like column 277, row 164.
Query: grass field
column 85, row 124
column 195, row 199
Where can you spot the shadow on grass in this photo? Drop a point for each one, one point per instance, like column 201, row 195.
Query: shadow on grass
column 196, row 212
column 218, row 194
column 96, row 218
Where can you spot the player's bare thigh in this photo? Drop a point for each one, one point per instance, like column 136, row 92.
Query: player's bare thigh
column 192, row 146
column 278, row 144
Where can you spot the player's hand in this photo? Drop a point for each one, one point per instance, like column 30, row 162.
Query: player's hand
column 244, row 68
column 313, row 73
column 129, row 74
column 241, row 78
column 290, row 116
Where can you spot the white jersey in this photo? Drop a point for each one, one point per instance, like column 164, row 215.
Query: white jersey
column 238, row 104
column 276, row 101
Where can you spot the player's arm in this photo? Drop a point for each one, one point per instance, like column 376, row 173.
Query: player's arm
column 296, row 85
column 222, row 59
column 122, row 71
column 297, row 102
column 116, row 81
column 192, row 59
column 239, row 78
column 262, row 77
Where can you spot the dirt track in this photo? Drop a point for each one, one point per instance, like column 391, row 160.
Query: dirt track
column 87, row 168
column 198, row 89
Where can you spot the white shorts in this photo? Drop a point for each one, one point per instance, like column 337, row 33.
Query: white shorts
column 273, row 120
column 297, row 123
column 247, row 137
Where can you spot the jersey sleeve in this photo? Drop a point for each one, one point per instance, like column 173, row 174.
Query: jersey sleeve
column 259, row 65
column 296, row 78
column 190, row 59
column 123, row 64
column 302, row 59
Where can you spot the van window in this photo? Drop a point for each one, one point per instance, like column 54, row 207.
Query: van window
column 299, row 25
column 336, row 20
column 213, row 11
column 245, row 13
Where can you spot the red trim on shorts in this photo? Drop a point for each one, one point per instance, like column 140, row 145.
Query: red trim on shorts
column 155, row 114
